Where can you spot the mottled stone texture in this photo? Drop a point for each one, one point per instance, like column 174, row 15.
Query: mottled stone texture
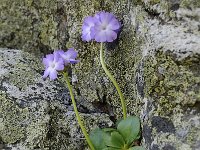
column 37, row 113
column 156, row 61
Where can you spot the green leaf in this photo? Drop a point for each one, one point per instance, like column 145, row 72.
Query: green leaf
column 109, row 129
column 113, row 148
column 116, row 140
column 118, row 121
column 136, row 148
column 106, row 148
column 138, row 136
column 129, row 128
column 99, row 138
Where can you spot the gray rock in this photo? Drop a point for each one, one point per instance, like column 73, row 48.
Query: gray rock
column 35, row 113
column 155, row 61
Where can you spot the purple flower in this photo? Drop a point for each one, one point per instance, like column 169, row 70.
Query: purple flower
column 69, row 56
column 88, row 24
column 57, row 61
column 106, row 27
column 53, row 63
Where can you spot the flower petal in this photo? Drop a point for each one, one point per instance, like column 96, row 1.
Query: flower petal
column 72, row 53
column 59, row 65
column 50, row 57
column 111, row 35
column 100, row 36
column 73, row 61
column 86, row 37
column 114, row 24
column 46, row 61
column 88, row 23
column 46, row 72
column 57, row 55
column 53, row 74
column 106, row 27
column 60, row 52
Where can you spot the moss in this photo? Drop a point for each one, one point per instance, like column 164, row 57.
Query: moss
column 24, row 71
column 58, row 27
column 12, row 127
column 45, row 126
column 64, row 132
column 120, row 59
column 42, row 26
column 48, row 25
column 190, row 3
column 170, row 82
column 154, row 2
column 20, row 124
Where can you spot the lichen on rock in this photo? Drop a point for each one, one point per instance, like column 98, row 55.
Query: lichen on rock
column 155, row 60
column 35, row 113
column 172, row 86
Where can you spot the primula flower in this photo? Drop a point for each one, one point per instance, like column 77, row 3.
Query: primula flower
column 53, row 63
column 88, row 24
column 69, row 56
column 106, row 27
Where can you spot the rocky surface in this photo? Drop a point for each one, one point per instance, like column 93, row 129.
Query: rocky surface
column 37, row 113
column 156, row 61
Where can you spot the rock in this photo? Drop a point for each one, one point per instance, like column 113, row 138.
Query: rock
column 155, row 60
column 36, row 113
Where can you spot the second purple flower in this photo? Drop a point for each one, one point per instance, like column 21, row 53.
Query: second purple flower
column 55, row 62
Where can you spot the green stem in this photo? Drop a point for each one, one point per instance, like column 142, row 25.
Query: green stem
column 113, row 81
column 76, row 112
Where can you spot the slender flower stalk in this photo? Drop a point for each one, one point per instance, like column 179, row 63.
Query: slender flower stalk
column 113, row 81
column 76, row 112
column 103, row 27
